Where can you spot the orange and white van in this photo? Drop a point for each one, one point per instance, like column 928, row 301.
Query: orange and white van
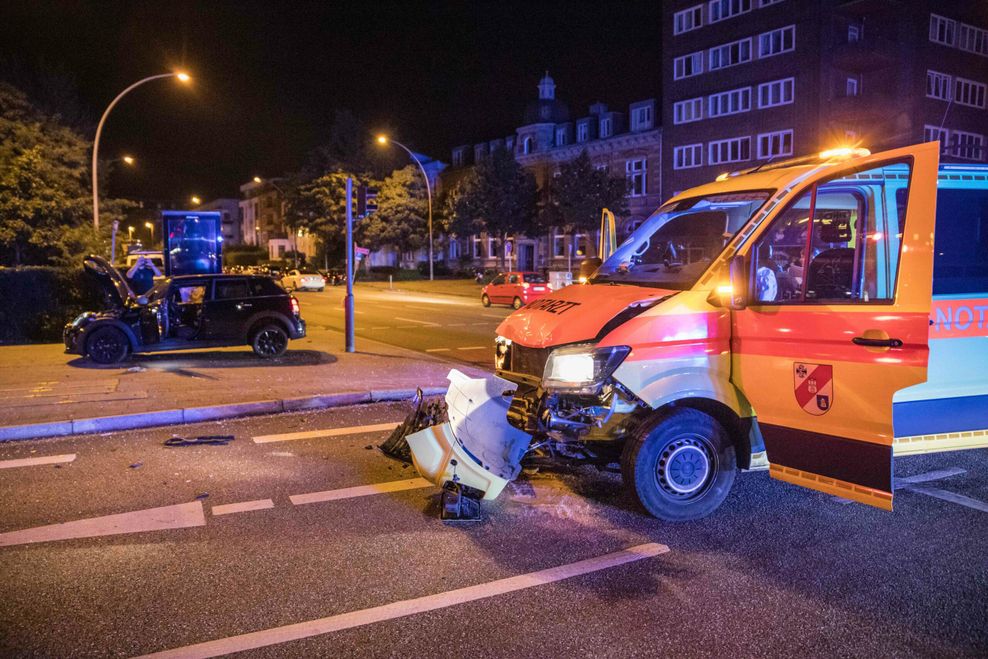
column 815, row 317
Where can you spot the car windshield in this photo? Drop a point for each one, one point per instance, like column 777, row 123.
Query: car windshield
column 674, row 246
column 158, row 291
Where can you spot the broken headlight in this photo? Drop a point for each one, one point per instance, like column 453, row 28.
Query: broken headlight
column 581, row 369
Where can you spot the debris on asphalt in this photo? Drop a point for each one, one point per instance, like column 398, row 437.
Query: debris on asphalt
column 201, row 439
column 369, row 447
column 136, row 369
column 137, row 465
column 202, row 495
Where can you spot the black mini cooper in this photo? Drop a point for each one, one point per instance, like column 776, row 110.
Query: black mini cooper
column 186, row 312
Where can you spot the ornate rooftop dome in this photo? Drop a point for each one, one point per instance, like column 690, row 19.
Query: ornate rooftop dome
column 546, row 110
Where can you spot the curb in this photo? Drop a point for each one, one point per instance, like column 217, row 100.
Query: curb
column 102, row 424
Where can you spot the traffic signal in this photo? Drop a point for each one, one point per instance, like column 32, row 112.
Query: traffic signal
column 366, row 200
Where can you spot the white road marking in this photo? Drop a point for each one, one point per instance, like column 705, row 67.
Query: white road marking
column 325, row 432
column 400, row 609
column 952, row 497
column 379, row 328
column 438, row 349
column 481, row 324
column 242, row 507
column 359, row 491
column 30, row 462
column 474, row 348
column 900, row 483
column 179, row 516
column 456, row 324
column 423, row 323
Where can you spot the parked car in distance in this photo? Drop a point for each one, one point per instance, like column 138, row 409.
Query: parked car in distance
column 303, row 280
column 514, row 288
column 185, row 312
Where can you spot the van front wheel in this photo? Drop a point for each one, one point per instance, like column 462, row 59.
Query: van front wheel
column 680, row 467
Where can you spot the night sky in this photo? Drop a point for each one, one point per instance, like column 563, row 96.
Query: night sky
column 268, row 75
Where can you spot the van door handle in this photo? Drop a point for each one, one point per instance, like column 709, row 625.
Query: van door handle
column 877, row 343
column 244, row 305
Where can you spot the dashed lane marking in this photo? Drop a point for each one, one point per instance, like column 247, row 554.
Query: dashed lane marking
column 474, row 348
column 402, row 608
column 179, row 516
column 242, row 507
column 438, row 349
column 31, row 462
column 325, row 432
column 423, row 323
column 457, row 324
column 359, row 491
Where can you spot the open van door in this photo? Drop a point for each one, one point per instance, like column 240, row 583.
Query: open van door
column 837, row 319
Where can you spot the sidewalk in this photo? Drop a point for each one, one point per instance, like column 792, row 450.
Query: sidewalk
column 459, row 287
column 41, row 384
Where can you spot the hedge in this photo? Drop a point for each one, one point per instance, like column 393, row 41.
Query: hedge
column 37, row 302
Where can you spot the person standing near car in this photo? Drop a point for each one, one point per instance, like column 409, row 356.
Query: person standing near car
column 141, row 275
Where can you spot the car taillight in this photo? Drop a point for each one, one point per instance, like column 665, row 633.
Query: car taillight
column 295, row 308
column 524, row 285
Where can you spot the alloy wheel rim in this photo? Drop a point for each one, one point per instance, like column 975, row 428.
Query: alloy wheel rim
column 270, row 342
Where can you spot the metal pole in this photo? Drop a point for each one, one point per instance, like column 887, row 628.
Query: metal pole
column 113, row 242
column 99, row 131
column 428, row 192
column 349, row 265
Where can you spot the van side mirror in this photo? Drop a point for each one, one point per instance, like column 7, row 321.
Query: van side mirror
column 739, row 283
column 588, row 266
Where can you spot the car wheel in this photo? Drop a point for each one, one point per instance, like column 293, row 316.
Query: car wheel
column 270, row 341
column 681, row 467
column 484, row 300
column 320, row 290
column 517, row 303
column 107, row 345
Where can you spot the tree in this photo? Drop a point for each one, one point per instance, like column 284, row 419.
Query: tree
column 577, row 196
column 402, row 218
column 320, row 207
column 498, row 197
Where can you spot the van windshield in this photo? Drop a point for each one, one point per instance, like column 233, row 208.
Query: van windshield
column 674, row 246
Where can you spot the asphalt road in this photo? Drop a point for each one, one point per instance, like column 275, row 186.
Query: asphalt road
column 776, row 571
column 453, row 327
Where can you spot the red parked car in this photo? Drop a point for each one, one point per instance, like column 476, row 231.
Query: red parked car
column 514, row 288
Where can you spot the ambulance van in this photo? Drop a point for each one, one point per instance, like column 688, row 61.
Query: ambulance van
column 815, row 317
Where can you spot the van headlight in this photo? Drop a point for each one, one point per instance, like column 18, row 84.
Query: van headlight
column 581, row 369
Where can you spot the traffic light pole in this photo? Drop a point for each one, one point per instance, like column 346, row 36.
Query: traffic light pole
column 349, row 265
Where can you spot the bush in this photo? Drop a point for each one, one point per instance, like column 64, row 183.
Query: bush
column 439, row 269
column 37, row 302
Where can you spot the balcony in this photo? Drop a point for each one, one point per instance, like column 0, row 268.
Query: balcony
column 867, row 54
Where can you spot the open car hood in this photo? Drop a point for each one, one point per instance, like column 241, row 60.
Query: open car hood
column 577, row 313
column 116, row 292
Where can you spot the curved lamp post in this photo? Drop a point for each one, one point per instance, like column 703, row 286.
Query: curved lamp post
column 183, row 77
column 384, row 139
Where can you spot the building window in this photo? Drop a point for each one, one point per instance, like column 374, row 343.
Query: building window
column 526, row 145
column 970, row 93
column 853, row 33
column 687, row 66
column 767, row 3
column 491, row 247
column 454, row 249
column 688, row 19
column 687, row 156
column 972, row 39
column 683, row 112
column 558, row 245
column 720, row 10
column 935, row 133
column 851, row 87
column 605, row 127
column 778, row 41
column 729, row 54
column 736, row 149
column 457, row 158
column 509, row 144
column 729, row 102
column 942, row 30
column 773, row 145
column 477, row 251
column 582, row 132
column 969, row 146
column 560, row 136
column 635, row 171
column 939, row 85
column 777, row 92
column 641, row 118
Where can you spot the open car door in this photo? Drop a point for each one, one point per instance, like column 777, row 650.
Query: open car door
column 837, row 319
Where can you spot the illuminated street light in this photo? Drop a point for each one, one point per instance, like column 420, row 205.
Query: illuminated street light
column 129, row 160
column 384, row 140
column 257, row 179
column 196, row 200
column 130, row 233
column 150, row 226
column 182, row 76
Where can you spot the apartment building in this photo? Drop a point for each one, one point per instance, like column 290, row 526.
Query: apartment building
column 749, row 81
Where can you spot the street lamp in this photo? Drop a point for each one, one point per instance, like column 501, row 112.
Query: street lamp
column 384, row 140
column 150, row 226
column 130, row 233
column 182, row 77
column 129, row 160
column 196, row 200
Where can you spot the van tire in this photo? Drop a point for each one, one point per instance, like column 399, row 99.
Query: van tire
column 107, row 345
column 517, row 303
column 681, row 466
column 269, row 341
column 484, row 300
